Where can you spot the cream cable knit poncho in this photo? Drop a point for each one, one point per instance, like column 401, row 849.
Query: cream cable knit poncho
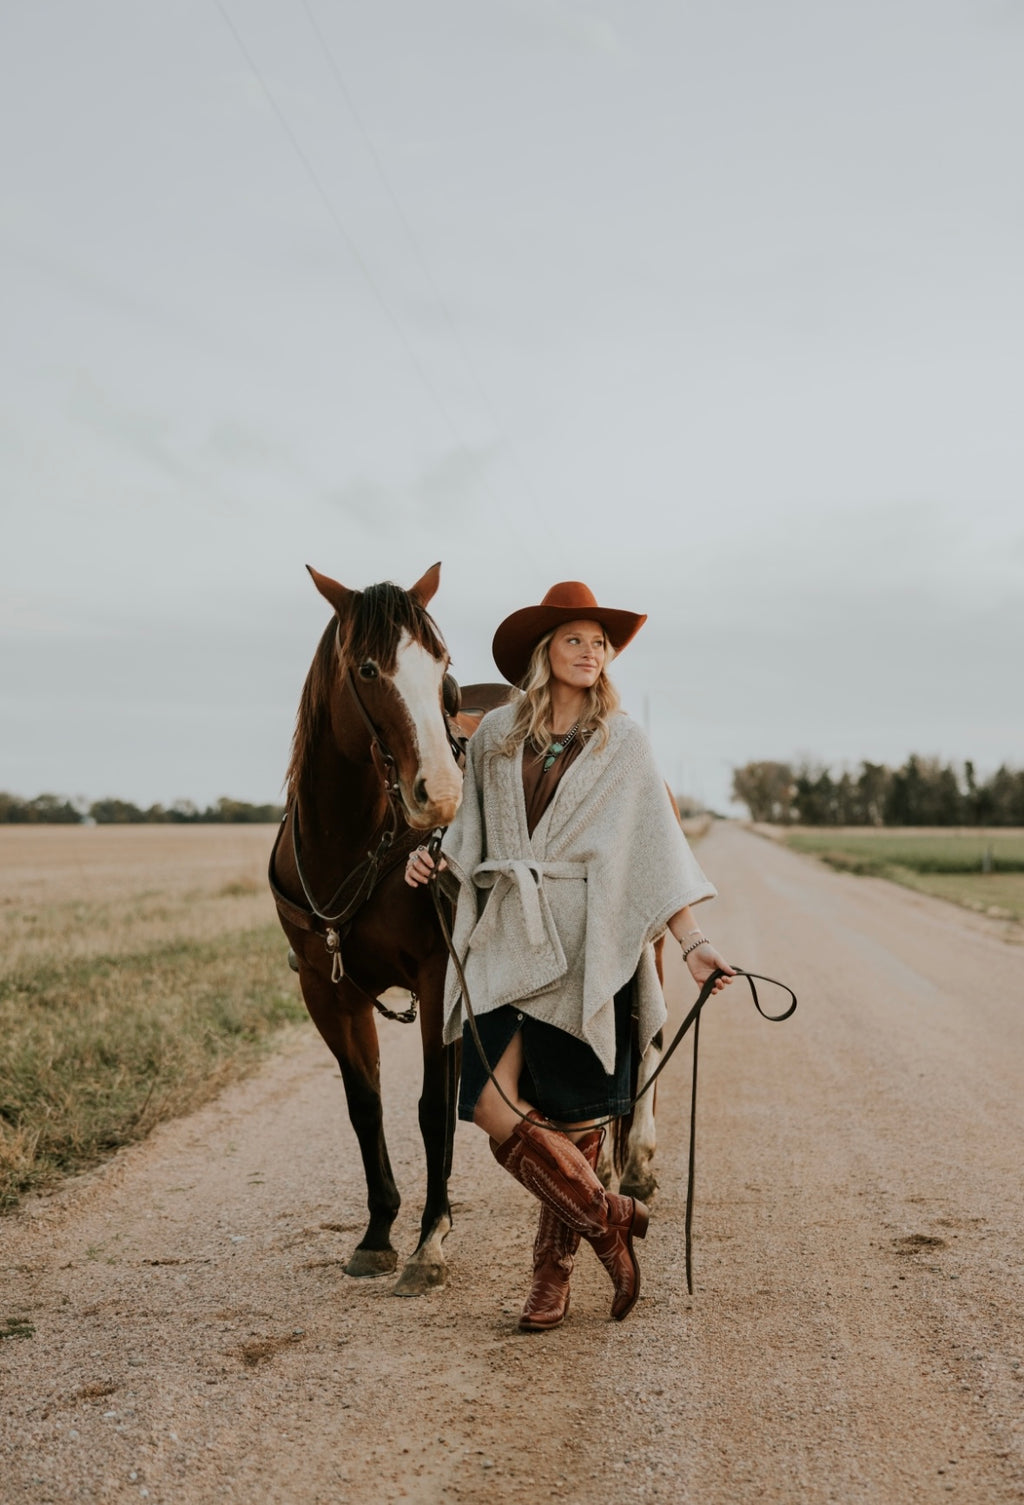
column 558, row 922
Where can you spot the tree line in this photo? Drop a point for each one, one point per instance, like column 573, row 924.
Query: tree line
column 922, row 792
column 53, row 809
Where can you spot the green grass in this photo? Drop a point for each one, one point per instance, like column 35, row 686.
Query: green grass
column 997, row 894
column 981, row 870
column 99, row 1049
column 923, row 851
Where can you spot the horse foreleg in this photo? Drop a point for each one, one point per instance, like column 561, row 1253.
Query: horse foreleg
column 426, row 1267
column 348, row 1028
column 374, row 1254
column 638, row 1178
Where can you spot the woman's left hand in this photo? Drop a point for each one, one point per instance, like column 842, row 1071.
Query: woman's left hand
column 705, row 960
column 419, row 866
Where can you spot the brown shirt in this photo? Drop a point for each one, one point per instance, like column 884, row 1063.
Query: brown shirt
column 539, row 785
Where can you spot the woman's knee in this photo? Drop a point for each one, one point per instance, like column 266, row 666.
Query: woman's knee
column 488, row 1113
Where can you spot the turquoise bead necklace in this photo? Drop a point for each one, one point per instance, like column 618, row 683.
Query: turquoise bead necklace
column 559, row 746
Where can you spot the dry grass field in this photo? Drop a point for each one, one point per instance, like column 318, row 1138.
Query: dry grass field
column 141, row 967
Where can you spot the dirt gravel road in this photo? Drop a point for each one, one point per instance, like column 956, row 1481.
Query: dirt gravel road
column 180, row 1329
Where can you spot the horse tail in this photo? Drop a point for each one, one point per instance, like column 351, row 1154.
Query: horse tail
column 621, row 1128
column 620, row 1131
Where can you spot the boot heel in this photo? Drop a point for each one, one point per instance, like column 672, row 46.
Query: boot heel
column 641, row 1218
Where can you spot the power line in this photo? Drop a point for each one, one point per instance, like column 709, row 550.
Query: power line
column 416, row 247
column 520, row 536
column 339, row 224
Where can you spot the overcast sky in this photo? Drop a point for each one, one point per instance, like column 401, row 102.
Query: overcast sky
column 717, row 305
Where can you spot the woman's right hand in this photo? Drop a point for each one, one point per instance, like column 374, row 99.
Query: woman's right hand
column 419, row 865
column 705, row 961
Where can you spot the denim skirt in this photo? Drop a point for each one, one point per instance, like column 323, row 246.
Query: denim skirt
column 562, row 1077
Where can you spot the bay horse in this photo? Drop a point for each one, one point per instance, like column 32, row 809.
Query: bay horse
column 373, row 770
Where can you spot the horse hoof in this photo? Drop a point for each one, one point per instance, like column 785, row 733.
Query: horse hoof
column 639, row 1184
column 417, row 1280
column 371, row 1262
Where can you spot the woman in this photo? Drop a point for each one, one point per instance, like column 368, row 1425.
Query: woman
column 568, row 862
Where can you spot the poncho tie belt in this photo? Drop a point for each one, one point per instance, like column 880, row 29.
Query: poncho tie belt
column 505, row 874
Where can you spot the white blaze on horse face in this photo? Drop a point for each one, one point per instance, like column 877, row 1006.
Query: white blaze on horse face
column 417, row 679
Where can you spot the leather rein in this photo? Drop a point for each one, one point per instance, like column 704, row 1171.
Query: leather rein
column 692, row 1020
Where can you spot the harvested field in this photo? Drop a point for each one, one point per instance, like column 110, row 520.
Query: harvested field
column 83, row 890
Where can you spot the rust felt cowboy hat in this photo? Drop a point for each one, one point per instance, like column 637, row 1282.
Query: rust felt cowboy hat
column 568, row 601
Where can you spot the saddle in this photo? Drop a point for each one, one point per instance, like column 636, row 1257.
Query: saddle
column 470, row 703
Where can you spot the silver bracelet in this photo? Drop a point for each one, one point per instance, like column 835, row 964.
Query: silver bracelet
column 701, row 940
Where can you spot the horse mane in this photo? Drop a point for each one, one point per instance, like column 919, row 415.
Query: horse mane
column 372, row 630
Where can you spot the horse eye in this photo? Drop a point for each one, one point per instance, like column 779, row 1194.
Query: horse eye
column 368, row 671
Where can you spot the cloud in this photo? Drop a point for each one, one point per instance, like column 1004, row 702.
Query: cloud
column 235, row 445
column 22, row 616
column 204, row 472
column 1001, row 15
column 440, row 496
column 582, row 29
column 90, row 289
column 145, row 435
column 873, row 632
column 370, row 504
column 561, row 23
column 456, row 482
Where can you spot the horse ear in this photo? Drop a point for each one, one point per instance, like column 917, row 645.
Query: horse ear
column 338, row 595
column 427, row 584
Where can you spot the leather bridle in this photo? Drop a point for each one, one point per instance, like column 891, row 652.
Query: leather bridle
column 334, row 921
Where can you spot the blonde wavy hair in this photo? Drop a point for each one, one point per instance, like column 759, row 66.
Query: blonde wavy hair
column 534, row 721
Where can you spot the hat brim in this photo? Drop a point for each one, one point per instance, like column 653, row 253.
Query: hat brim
column 520, row 633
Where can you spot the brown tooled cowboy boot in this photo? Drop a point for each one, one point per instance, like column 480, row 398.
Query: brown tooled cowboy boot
column 553, row 1250
column 550, row 1166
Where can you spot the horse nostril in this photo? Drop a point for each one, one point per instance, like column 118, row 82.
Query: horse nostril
column 419, row 789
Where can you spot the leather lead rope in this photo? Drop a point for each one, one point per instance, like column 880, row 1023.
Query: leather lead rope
column 692, row 1020
column 691, row 1166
